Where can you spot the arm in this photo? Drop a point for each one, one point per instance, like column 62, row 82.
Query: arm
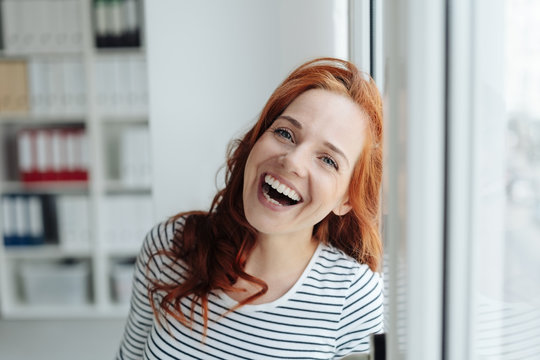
column 141, row 317
column 362, row 313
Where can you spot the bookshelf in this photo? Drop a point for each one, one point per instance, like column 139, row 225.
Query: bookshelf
column 75, row 184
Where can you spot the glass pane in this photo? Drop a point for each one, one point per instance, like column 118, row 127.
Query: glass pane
column 506, row 315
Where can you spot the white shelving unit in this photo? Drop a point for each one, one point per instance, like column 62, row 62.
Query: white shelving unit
column 106, row 128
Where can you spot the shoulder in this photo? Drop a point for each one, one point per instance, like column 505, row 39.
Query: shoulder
column 358, row 281
column 161, row 241
column 337, row 263
column 163, row 235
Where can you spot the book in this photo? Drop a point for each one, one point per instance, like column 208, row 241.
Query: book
column 1, row 28
column 12, row 13
column 27, row 156
column 14, row 93
column 9, row 229
column 74, row 87
column 132, row 29
column 73, row 221
column 36, row 228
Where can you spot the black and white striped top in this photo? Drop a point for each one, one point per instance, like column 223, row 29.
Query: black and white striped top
column 329, row 313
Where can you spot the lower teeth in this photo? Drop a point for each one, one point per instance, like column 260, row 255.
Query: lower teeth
column 265, row 192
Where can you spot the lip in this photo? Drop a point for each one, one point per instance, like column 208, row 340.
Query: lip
column 268, row 204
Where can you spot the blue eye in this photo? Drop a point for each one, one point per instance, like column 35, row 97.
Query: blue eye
column 284, row 133
column 330, row 162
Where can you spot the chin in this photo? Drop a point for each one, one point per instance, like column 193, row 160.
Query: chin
column 263, row 225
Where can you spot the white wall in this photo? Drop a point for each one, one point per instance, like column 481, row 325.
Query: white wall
column 212, row 65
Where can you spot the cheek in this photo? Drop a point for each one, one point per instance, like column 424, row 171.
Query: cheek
column 254, row 159
column 262, row 150
column 249, row 173
column 251, row 162
column 333, row 187
column 344, row 186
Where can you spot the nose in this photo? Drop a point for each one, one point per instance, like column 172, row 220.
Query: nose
column 296, row 161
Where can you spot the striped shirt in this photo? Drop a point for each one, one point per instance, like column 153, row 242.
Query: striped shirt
column 330, row 312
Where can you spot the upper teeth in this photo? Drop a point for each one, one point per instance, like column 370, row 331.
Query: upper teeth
column 281, row 188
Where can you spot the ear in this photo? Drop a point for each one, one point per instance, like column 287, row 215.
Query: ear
column 342, row 208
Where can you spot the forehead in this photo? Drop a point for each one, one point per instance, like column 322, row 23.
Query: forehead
column 326, row 103
column 329, row 111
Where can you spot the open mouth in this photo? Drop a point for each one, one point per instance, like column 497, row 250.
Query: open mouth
column 278, row 193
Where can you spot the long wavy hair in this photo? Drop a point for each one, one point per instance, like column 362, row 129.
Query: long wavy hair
column 215, row 245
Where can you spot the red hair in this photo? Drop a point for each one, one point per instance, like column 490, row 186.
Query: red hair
column 215, row 245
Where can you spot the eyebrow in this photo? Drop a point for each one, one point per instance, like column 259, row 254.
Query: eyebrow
column 329, row 145
column 336, row 150
column 292, row 120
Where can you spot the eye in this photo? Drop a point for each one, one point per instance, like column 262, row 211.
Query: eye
column 284, row 133
column 327, row 160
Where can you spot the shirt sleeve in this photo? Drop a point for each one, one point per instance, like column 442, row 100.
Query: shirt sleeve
column 362, row 313
column 147, row 268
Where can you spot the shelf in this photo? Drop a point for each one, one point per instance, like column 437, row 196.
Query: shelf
column 53, row 187
column 140, row 50
column 122, row 251
column 141, row 119
column 32, row 119
column 23, row 311
column 6, row 55
column 103, row 91
column 45, row 252
column 118, row 187
column 25, row 55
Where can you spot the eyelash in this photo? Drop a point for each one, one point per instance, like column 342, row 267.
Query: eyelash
column 332, row 162
column 287, row 135
column 284, row 133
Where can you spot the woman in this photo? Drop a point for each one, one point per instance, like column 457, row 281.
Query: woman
column 284, row 263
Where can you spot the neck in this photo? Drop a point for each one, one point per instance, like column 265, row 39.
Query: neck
column 275, row 256
column 277, row 260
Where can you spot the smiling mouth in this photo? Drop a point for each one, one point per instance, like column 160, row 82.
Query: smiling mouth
column 278, row 193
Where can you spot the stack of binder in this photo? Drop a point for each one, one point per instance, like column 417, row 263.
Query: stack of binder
column 57, row 86
column 41, row 26
column 28, row 219
column 121, row 85
column 52, row 155
column 117, row 23
column 73, row 215
column 135, row 160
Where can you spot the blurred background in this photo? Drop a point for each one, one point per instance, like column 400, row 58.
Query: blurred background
column 115, row 114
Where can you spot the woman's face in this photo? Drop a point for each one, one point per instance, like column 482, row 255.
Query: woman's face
column 300, row 168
